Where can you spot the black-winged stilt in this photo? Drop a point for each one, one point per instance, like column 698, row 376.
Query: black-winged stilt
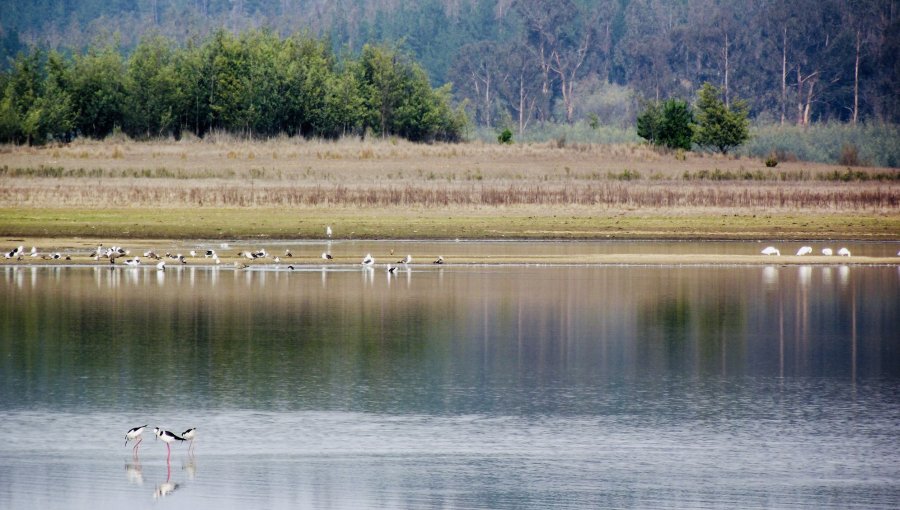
column 368, row 261
column 167, row 437
column 439, row 260
column 133, row 434
column 326, row 256
column 406, row 260
column 189, row 435
column 328, row 231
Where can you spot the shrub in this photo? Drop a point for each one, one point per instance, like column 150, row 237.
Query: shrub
column 772, row 160
column 849, row 155
column 505, row 137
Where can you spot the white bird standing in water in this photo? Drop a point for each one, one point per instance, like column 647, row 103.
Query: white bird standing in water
column 368, row 261
column 844, row 252
column 133, row 434
column 827, row 252
column 771, row 250
column 804, row 250
column 167, row 437
column 328, row 231
column 189, row 435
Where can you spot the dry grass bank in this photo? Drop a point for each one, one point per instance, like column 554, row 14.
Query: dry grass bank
column 520, row 189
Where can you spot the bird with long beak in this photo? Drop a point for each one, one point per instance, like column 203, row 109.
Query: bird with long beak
column 133, row 434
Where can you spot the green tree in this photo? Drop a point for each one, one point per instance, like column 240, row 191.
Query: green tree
column 153, row 89
column 669, row 124
column 99, row 91
column 719, row 127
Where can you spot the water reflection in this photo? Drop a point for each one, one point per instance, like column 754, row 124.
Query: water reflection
column 134, row 472
column 487, row 387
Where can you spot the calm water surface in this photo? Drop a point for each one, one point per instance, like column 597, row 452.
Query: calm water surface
column 454, row 387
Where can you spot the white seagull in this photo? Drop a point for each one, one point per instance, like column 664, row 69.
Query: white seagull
column 804, row 250
column 771, row 250
column 844, row 252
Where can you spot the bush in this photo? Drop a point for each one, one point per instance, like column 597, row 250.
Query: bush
column 668, row 126
column 849, row 155
column 772, row 160
column 505, row 137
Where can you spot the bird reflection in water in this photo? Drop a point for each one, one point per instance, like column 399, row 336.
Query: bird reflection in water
column 134, row 472
column 190, row 467
column 167, row 487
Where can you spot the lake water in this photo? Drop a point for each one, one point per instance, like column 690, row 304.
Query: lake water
column 453, row 387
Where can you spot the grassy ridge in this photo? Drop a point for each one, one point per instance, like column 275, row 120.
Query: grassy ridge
column 416, row 223
column 225, row 188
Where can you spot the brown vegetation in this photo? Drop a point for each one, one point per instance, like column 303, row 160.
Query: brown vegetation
column 225, row 172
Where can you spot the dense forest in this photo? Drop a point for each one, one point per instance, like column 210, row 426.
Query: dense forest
column 525, row 63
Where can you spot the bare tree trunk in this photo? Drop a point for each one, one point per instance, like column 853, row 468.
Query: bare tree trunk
column 726, row 69
column 784, row 76
column 856, row 81
column 799, row 97
column 809, row 97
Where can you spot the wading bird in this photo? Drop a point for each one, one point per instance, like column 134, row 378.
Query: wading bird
column 844, row 252
column 167, row 437
column 133, row 434
column 189, row 435
column 804, row 250
column 326, row 256
column 439, row 260
column 771, row 250
column 406, row 260
column 368, row 261
column 328, row 231
column 827, row 252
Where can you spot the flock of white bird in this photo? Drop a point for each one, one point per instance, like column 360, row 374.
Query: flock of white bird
column 113, row 253
column 806, row 250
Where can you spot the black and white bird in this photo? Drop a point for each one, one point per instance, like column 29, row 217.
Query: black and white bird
column 133, row 262
column 210, row 254
column 135, row 434
column 15, row 252
column 287, row 253
column 328, row 231
column 161, row 266
column 406, row 260
column 167, row 437
column 439, row 260
column 189, row 435
column 392, row 270
column 326, row 256
column 844, row 252
column 368, row 261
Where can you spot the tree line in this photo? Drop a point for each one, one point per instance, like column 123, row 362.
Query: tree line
column 521, row 63
column 254, row 84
